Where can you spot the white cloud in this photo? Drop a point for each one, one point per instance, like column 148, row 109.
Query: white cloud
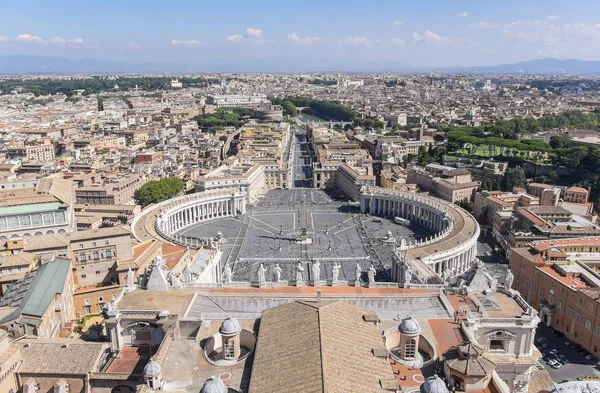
column 552, row 39
column 185, row 42
column 293, row 37
column 484, row 25
column 429, row 37
column 235, row 37
column 132, row 46
column 552, row 17
column 253, row 33
column 357, row 41
column 28, row 38
column 398, row 42
column 463, row 14
column 398, row 22
column 67, row 42
column 2, row 38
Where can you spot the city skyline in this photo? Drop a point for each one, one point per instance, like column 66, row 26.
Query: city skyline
column 430, row 33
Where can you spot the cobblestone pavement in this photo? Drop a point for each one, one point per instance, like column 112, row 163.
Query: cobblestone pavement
column 336, row 230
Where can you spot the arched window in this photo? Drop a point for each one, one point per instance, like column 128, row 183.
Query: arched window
column 409, row 349
column 107, row 254
column 96, row 255
column 82, row 257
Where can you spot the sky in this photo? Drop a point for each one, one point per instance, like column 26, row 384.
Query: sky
column 414, row 33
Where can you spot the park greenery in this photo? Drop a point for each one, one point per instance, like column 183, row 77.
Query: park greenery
column 325, row 109
column 156, row 191
column 223, row 117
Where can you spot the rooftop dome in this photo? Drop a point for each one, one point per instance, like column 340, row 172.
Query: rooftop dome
column 230, row 326
column 409, row 326
column 152, row 369
column 434, row 384
column 214, row 385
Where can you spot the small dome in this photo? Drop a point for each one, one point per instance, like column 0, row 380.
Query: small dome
column 152, row 369
column 409, row 326
column 434, row 384
column 214, row 385
column 230, row 326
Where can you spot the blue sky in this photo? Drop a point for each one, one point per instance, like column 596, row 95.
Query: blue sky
column 423, row 32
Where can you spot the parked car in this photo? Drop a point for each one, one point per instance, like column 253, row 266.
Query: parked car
column 568, row 343
column 589, row 356
column 563, row 359
column 553, row 351
column 540, row 340
column 554, row 363
column 576, row 346
column 557, row 333
column 583, row 352
column 540, row 366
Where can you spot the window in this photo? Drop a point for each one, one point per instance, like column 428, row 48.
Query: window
column 541, row 292
column 107, row 254
column 97, row 271
column 229, row 349
column 83, row 276
column 95, row 255
column 551, row 299
column 580, row 301
column 409, row 349
column 570, row 311
column 578, row 317
column 588, row 324
column 591, row 307
column 82, row 257
column 497, row 345
column 559, row 304
column 87, row 309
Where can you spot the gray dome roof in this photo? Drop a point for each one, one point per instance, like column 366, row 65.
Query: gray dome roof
column 214, row 385
column 152, row 369
column 434, row 384
column 409, row 326
column 230, row 326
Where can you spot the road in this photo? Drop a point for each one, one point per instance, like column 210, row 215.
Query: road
column 301, row 157
column 577, row 365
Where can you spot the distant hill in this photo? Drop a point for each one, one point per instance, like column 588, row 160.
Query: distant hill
column 28, row 64
column 539, row 66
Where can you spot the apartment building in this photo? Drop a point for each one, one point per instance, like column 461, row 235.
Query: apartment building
column 95, row 253
column 447, row 183
column 118, row 191
column 560, row 279
column 41, row 304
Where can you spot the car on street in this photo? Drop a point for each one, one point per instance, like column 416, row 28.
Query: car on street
column 487, row 254
column 553, row 351
column 540, row 340
column 563, row 359
column 589, row 356
column 557, row 333
column 554, row 363
column 568, row 343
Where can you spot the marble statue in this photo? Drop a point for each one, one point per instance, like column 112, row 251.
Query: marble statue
column 335, row 272
column 358, row 272
column 226, row 276
column 371, row 274
column 277, row 272
column 407, row 275
column 262, row 270
column 316, row 269
column 509, row 279
column 130, row 279
column 111, row 306
column 299, row 270
column 186, row 275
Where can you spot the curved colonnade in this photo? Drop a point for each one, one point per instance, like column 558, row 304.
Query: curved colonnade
column 447, row 253
column 162, row 221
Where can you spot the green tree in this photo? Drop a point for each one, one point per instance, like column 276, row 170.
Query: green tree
column 514, row 177
column 289, row 109
column 156, row 191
